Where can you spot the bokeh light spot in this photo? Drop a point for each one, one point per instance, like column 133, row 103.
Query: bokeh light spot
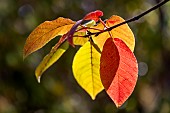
column 25, row 10
column 143, row 68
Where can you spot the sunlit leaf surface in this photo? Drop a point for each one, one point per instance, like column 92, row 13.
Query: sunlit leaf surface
column 46, row 32
column 123, row 32
column 118, row 70
column 50, row 59
column 86, row 65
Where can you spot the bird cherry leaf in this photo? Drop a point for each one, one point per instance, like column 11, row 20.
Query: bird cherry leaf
column 45, row 32
column 118, row 70
column 56, row 52
column 123, row 32
column 86, row 65
column 95, row 15
column 81, row 31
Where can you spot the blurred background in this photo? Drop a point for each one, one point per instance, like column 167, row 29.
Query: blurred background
column 58, row 91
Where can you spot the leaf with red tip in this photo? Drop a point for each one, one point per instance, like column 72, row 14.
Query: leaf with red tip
column 118, row 70
column 95, row 15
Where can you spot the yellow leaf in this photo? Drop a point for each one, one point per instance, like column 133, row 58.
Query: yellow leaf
column 123, row 32
column 46, row 32
column 50, row 59
column 78, row 36
column 78, row 39
column 90, row 23
column 86, row 65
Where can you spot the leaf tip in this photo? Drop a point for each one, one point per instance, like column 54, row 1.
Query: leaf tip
column 118, row 105
column 93, row 97
column 23, row 58
column 24, row 54
column 38, row 76
column 38, row 79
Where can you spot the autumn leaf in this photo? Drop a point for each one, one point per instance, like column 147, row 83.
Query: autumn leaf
column 89, row 24
column 55, row 53
column 86, row 65
column 118, row 70
column 123, row 32
column 95, row 15
column 46, row 32
column 79, row 38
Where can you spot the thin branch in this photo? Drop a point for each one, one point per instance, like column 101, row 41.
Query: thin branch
column 132, row 19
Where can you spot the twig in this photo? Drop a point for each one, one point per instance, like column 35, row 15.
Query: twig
column 131, row 19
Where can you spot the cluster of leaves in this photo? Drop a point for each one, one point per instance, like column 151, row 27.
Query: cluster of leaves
column 105, row 59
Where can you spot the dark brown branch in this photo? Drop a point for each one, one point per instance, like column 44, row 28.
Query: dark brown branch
column 131, row 19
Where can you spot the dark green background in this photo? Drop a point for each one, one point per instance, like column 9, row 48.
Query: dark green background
column 58, row 91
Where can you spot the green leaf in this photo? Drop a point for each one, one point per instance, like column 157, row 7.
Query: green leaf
column 78, row 40
column 50, row 59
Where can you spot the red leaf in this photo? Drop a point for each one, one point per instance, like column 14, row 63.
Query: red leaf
column 118, row 70
column 95, row 15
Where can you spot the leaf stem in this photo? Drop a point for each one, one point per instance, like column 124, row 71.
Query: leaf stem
column 105, row 26
column 85, row 28
column 132, row 19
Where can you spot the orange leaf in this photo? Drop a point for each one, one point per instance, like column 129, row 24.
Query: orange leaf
column 123, row 32
column 118, row 70
column 95, row 15
column 46, row 32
